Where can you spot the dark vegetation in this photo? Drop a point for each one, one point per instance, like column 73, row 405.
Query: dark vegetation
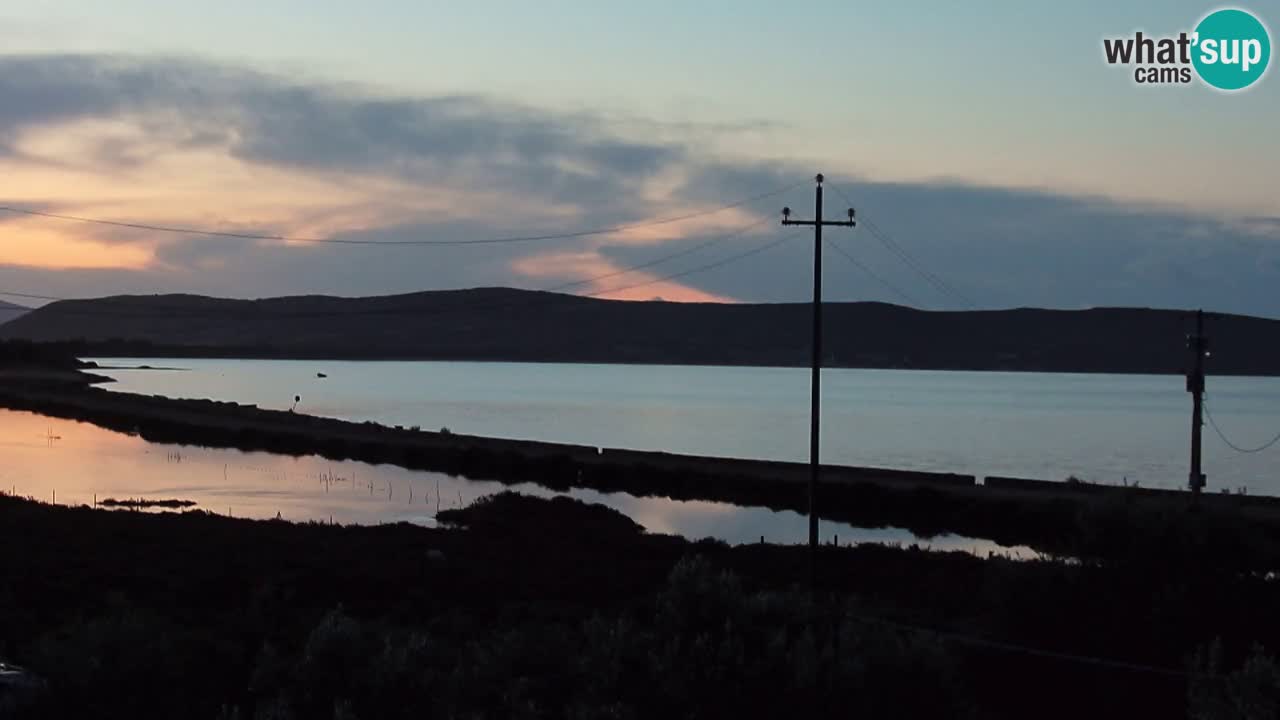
column 504, row 513
column 24, row 353
column 1147, row 605
column 506, row 324
column 555, row 609
column 138, row 503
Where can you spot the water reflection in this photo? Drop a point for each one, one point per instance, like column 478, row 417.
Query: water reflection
column 77, row 464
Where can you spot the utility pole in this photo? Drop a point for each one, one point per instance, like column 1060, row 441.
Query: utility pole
column 815, row 400
column 1199, row 346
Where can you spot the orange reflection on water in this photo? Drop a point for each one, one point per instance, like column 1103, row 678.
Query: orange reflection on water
column 76, row 463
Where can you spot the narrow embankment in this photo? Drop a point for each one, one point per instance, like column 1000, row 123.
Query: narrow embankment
column 1011, row 511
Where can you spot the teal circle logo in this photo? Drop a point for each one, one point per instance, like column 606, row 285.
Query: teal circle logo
column 1232, row 49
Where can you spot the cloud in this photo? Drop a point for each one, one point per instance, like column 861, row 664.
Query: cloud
column 267, row 120
column 185, row 142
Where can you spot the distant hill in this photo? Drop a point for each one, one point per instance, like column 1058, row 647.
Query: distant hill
column 10, row 311
column 506, row 324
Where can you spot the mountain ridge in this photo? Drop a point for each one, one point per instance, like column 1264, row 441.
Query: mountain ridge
column 522, row 325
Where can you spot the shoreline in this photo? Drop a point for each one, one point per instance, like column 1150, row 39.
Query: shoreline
column 1009, row 511
column 52, row 376
column 241, row 354
column 139, row 367
column 604, row 363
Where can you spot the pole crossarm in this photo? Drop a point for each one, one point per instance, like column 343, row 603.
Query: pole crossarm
column 825, row 223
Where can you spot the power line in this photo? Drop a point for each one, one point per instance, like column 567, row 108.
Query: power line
column 902, row 254
column 701, row 268
column 941, row 285
column 555, row 288
column 186, row 312
column 31, row 296
column 872, row 274
column 661, row 260
column 1248, row 451
column 351, row 241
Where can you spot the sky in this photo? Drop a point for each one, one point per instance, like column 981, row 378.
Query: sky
column 988, row 142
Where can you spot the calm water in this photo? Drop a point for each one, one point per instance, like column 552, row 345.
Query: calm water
column 74, row 463
column 1104, row 428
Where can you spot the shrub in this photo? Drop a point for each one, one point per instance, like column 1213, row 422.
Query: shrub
column 1251, row 692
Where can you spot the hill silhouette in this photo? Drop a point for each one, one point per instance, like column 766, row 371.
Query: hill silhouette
column 520, row 325
column 11, row 311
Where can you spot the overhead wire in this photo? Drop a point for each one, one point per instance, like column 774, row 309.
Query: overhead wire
column 942, row 286
column 901, row 294
column 702, row 268
column 1223, row 436
column 665, row 258
column 188, row 312
column 360, row 241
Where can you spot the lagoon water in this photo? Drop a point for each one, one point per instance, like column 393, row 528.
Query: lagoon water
column 1103, row 428
column 75, row 463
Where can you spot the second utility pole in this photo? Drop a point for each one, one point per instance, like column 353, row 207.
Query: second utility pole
column 815, row 401
column 1198, row 344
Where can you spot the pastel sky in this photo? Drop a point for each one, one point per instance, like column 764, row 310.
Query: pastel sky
column 989, row 139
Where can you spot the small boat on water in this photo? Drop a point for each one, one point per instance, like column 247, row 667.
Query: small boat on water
column 321, row 375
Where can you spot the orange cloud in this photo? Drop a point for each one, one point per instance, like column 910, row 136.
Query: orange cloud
column 585, row 264
column 39, row 244
column 719, row 223
column 124, row 169
column 669, row 291
column 59, row 167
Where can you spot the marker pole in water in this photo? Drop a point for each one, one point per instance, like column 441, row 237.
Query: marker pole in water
column 815, row 388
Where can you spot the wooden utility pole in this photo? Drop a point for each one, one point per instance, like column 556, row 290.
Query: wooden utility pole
column 815, row 400
column 1199, row 346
